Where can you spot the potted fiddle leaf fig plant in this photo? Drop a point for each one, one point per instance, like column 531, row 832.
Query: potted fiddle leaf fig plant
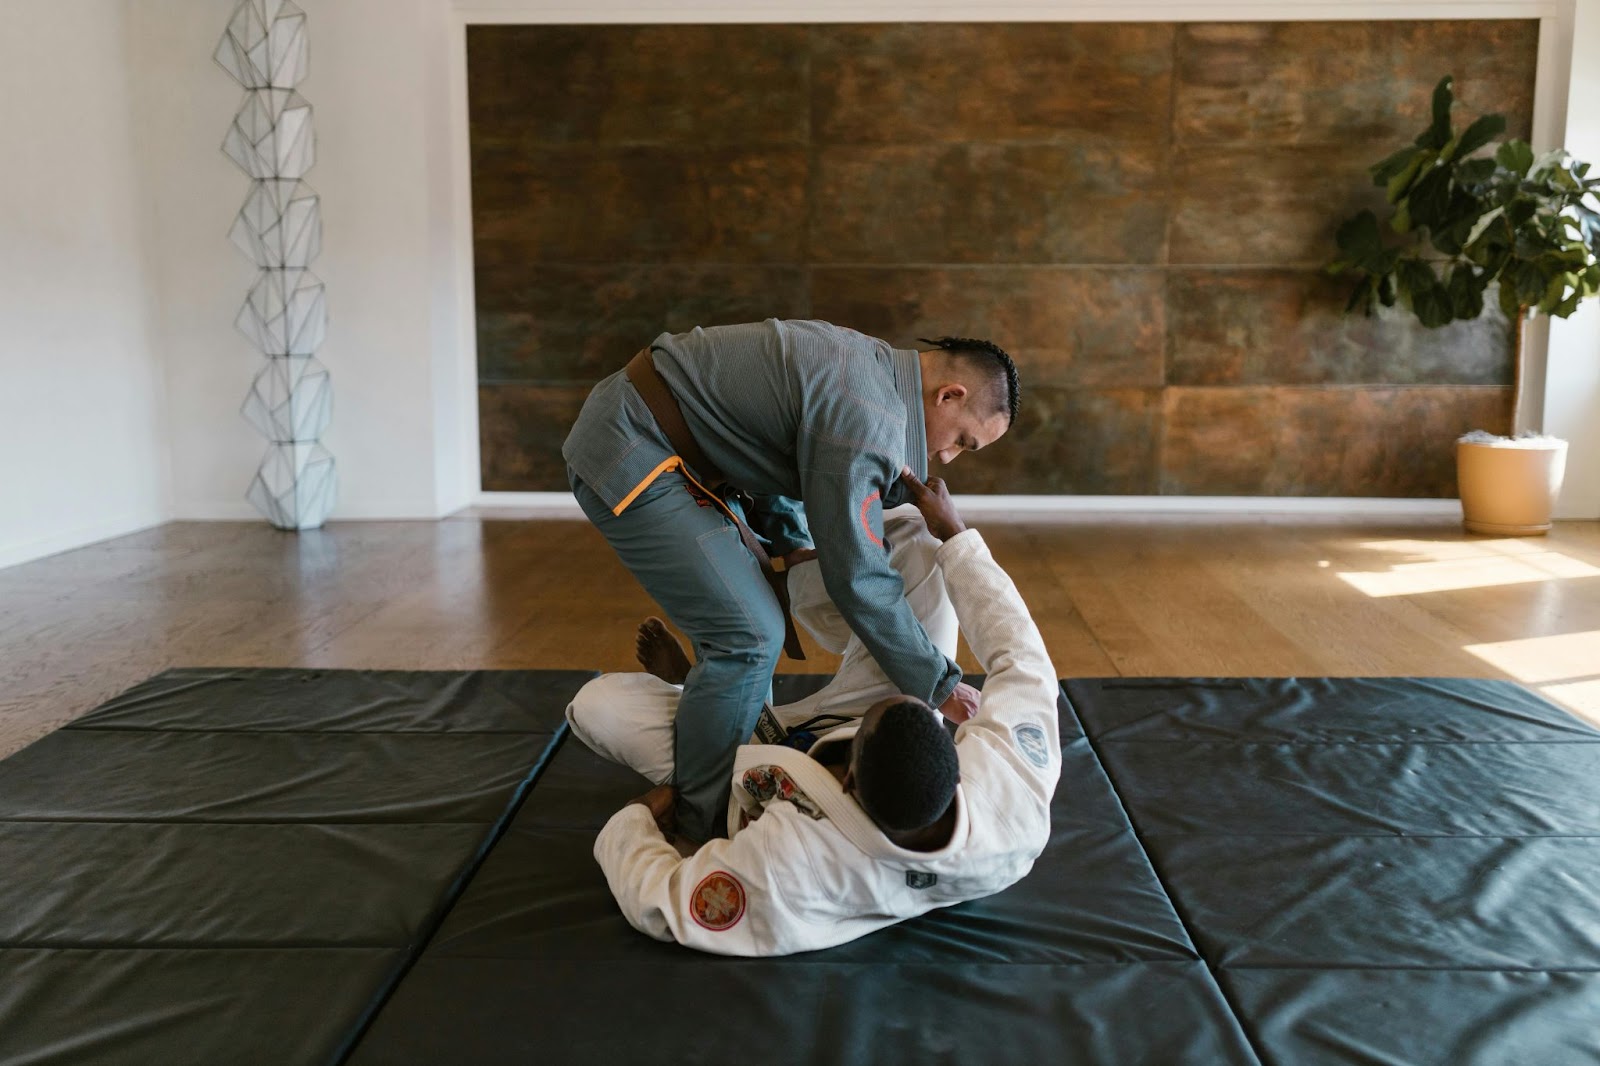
column 1470, row 219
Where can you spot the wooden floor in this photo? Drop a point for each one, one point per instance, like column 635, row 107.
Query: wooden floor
column 1136, row 595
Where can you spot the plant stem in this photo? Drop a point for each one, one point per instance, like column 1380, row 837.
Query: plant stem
column 1516, row 369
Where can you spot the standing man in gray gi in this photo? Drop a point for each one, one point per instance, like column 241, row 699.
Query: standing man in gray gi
column 779, row 411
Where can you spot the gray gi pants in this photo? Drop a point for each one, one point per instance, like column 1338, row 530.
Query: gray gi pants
column 690, row 559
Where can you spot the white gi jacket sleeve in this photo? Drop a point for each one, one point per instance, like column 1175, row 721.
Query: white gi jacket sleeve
column 1016, row 723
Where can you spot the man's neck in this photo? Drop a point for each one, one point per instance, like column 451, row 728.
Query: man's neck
column 928, row 838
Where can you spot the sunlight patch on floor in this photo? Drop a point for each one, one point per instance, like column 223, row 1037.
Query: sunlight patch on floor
column 1562, row 666
column 1451, row 566
column 1580, row 697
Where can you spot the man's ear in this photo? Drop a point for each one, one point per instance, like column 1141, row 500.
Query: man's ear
column 955, row 391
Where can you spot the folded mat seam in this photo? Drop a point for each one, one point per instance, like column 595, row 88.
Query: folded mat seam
column 1245, row 1032
column 452, row 896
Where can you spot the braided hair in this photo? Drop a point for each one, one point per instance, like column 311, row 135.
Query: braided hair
column 989, row 356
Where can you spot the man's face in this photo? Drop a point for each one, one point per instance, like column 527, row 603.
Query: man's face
column 954, row 424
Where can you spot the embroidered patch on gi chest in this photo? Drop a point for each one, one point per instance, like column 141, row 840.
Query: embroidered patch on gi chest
column 768, row 783
column 718, row 902
column 920, row 879
column 1030, row 741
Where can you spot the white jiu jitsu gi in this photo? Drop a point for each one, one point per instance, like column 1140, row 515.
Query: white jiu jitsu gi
column 804, row 867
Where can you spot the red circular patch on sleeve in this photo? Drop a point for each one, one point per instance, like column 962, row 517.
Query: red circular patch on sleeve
column 718, row 902
column 866, row 520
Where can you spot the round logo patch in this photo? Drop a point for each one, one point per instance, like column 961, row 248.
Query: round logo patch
column 718, row 902
column 1030, row 741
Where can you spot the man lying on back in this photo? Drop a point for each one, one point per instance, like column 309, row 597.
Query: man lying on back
column 875, row 823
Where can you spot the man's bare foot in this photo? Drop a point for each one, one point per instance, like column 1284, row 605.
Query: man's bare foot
column 660, row 653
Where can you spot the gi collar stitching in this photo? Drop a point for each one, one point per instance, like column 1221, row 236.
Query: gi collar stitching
column 908, row 383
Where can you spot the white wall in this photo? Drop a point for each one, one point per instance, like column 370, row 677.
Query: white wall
column 1572, row 396
column 82, row 455
column 375, row 171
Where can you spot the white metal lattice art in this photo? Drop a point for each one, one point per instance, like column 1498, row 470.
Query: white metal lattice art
column 279, row 228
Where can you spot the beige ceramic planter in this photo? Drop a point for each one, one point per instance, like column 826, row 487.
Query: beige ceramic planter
column 1509, row 488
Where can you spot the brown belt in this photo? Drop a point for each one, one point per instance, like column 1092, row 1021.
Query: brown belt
column 657, row 396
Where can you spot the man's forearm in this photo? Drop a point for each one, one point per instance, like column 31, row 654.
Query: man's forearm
column 998, row 627
column 889, row 629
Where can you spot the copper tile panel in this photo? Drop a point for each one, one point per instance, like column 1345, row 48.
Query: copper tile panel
column 1342, row 82
column 988, row 203
column 916, row 83
column 641, row 204
column 1265, row 327
column 638, row 84
column 1067, row 326
column 570, row 324
column 1249, row 206
column 520, row 430
column 1072, row 441
column 1287, row 441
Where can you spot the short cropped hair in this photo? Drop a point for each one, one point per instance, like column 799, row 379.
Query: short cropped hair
column 906, row 771
column 987, row 357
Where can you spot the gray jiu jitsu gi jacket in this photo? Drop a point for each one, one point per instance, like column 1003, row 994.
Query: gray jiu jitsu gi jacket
column 803, row 411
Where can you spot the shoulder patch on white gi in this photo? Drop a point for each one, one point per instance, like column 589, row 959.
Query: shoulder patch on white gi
column 920, row 879
column 768, row 783
column 718, row 902
column 1030, row 741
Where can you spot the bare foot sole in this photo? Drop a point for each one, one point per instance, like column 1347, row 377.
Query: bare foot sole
column 660, row 653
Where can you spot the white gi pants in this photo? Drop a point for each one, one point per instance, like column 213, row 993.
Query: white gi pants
column 628, row 718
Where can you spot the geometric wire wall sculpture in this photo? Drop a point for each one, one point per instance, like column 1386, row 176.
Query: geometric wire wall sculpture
column 284, row 314
column 279, row 229
column 280, row 224
column 265, row 45
column 290, row 400
column 296, row 480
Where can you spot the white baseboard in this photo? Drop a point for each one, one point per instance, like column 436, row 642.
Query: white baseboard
column 562, row 505
column 244, row 511
column 18, row 552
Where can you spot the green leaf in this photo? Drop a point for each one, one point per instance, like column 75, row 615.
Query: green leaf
column 1485, row 129
column 1400, row 182
column 1554, row 293
column 1394, row 164
column 1508, row 300
column 1401, row 222
column 1483, row 223
column 1475, row 171
column 1466, row 291
column 1429, row 199
column 1437, row 135
column 1359, row 240
column 1515, row 156
column 1433, row 307
column 1529, row 281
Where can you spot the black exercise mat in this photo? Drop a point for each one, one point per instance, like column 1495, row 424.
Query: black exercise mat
column 1071, row 965
column 236, row 865
column 1379, row 870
